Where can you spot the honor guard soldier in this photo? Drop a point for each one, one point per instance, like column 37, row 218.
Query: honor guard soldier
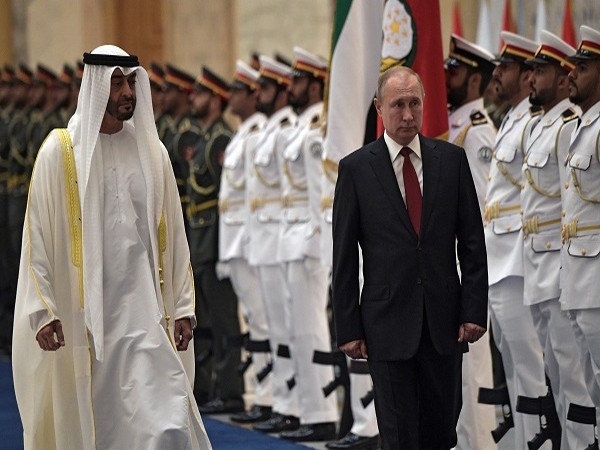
column 263, row 189
column 43, row 79
column 299, row 251
column 468, row 72
column 512, row 322
column 233, row 233
column 64, row 92
column 176, row 105
column 75, row 87
column 580, row 282
column 156, row 74
column 543, row 172
column 218, row 384
column 49, row 116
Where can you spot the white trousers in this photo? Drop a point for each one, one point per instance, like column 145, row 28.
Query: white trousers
column 365, row 420
column 244, row 279
column 476, row 420
column 279, row 317
column 586, row 324
column 307, row 284
column 517, row 340
column 561, row 359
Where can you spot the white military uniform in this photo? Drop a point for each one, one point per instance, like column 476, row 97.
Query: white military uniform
column 264, row 197
column 512, row 323
column 233, row 244
column 306, row 276
column 580, row 282
column 472, row 129
column 544, row 174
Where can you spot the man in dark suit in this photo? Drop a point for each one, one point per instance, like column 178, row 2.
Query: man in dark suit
column 414, row 316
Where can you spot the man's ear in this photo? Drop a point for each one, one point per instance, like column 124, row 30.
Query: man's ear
column 377, row 105
column 474, row 83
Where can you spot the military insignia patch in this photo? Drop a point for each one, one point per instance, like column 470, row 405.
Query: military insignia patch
column 485, row 154
column 316, row 149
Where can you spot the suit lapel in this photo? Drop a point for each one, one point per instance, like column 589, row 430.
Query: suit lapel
column 384, row 173
column 431, row 176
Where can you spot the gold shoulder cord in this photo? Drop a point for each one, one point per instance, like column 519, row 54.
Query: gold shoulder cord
column 460, row 139
column 263, row 180
column 288, row 175
column 73, row 205
column 162, row 246
column 504, row 171
column 330, row 169
column 530, row 179
column 582, row 196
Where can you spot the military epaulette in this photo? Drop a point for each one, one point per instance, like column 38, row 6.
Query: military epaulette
column 535, row 110
column 478, row 118
column 315, row 122
column 285, row 122
column 568, row 115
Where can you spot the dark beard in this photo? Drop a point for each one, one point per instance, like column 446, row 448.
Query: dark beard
column 301, row 101
column 113, row 110
column 457, row 95
column 266, row 108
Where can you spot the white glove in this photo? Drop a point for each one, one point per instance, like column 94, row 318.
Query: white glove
column 223, row 270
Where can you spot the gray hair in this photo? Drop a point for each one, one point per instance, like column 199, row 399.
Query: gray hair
column 389, row 73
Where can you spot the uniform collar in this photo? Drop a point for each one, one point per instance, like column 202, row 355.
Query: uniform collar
column 591, row 115
column 555, row 112
column 458, row 116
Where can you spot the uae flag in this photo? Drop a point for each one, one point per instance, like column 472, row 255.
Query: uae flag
column 353, row 73
column 412, row 36
column 368, row 38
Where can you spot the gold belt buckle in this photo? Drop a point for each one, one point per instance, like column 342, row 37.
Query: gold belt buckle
column 568, row 231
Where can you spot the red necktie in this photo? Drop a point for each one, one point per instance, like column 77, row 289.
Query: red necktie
column 412, row 190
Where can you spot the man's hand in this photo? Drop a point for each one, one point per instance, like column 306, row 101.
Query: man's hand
column 183, row 333
column 355, row 349
column 51, row 337
column 470, row 332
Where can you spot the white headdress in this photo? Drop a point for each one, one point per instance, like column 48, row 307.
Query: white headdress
column 84, row 128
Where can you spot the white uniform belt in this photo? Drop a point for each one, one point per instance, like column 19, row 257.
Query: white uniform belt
column 287, row 201
column 495, row 210
column 574, row 229
column 260, row 202
column 226, row 204
column 534, row 223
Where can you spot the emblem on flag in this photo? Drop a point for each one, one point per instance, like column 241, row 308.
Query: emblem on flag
column 399, row 35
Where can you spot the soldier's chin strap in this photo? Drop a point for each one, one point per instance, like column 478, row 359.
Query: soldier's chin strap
column 98, row 59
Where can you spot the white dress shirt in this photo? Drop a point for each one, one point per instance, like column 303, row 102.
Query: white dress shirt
column 397, row 160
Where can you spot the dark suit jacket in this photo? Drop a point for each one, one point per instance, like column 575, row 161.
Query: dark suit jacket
column 405, row 274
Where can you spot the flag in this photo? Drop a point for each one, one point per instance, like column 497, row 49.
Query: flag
column 541, row 22
column 353, row 73
column 485, row 28
column 507, row 21
column 456, row 21
column 412, row 36
column 568, row 32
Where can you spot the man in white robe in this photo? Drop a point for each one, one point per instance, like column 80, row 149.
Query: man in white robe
column 105, row 285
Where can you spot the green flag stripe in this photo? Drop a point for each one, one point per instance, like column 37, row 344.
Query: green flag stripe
column 342, row 9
